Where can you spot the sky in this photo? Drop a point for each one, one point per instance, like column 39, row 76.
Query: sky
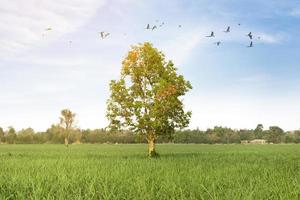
column 43, row 72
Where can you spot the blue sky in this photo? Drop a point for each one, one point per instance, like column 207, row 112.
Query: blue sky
column 234, row 86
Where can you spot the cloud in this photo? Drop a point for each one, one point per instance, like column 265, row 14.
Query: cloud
column 180, row 48
column 23, row 23
column 295, row 12
column 257, row 78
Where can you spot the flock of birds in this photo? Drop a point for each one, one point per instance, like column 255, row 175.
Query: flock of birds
column 104, row 35
column 228, row 30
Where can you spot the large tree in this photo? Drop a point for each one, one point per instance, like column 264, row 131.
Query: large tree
column 66, row 121
column 146, row 98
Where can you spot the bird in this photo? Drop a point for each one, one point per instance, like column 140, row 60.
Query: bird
column 163, row 23
column 227, row 30
column 148, row 26
column 218, row 43
column 104, row 34
column 251, row 44
column 250, row 35
column 239, row 24
column 212, row 34
column 154, row 27
column 259, row 37
column 179, row 26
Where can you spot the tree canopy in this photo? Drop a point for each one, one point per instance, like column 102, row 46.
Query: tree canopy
column 66, row 121
column 146, row 99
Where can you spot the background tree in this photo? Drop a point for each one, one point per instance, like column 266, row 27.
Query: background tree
column 66, row 121
column 275, row 134
column 55, row 134
column 146, row 99
column 259, row 131
column 2, row 134
column 297, row 136
column 25, row 136
column 11, row 135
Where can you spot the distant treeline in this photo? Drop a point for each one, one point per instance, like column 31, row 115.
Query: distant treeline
column 217, row 135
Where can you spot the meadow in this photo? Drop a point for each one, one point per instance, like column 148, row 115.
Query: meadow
column 187, row 171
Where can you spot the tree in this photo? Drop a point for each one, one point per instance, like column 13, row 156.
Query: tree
column 2, row 134
column 146, row 99
column 25, row 136
column 55, row 134
column 11, row 135
column 275, row 134
column 259, row 131
column 66, row 121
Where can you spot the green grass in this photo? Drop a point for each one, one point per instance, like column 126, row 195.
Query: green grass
column 125, row 172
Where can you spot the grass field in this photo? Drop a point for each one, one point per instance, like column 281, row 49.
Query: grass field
column 125, row 172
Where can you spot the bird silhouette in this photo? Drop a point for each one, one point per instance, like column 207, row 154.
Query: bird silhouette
column 148, row 26
column 104, row 34
column 239, row 24
column 250, row 35
column 154, row 27
column 251, row 44
column 218, row 43
column 163, row 23
column 179, row 26
column 227, row 30
column 212, row 34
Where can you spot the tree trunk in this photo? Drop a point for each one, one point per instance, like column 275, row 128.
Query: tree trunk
column 66, row 142
column 151, row 145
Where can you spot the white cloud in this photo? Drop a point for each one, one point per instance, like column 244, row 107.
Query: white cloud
column 295, row 12
column 182, row 44
column 257, row 78
column 180, row 48
column 269, row 38
column 23, row 23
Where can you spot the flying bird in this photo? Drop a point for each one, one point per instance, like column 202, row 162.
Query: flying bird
column 179, row 26
column 163, row 23
column 227, row 30
column 154, row 27
column 251, row 44
column 250, row 35
column 212, row 34
column 239, row 24
column 104, row 34
column 218, row 43
column 148, row 26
